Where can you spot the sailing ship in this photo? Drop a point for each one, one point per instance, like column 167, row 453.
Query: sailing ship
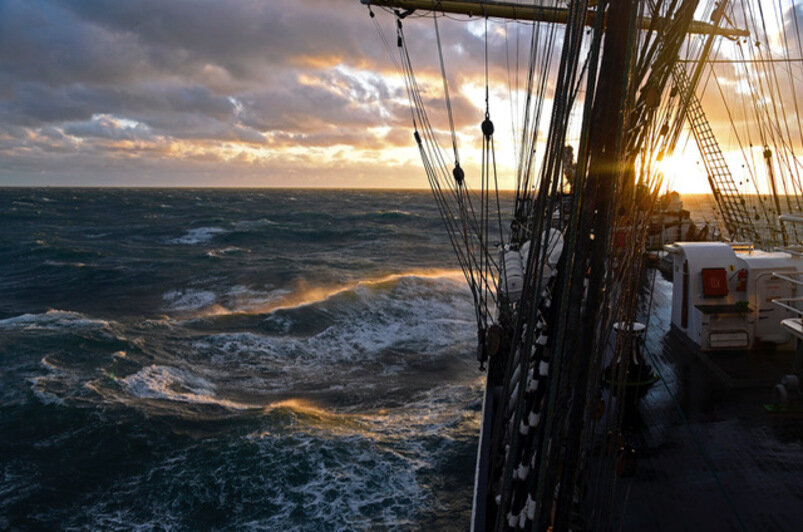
column 610, row 88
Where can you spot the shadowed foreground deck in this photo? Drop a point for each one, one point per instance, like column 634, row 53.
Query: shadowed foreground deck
column 710, row 456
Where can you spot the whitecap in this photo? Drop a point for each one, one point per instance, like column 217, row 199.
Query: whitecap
column 174, row 384
column 220, row 253
column 39, row 389
column 52, row 319
column 190, row 299
column 64, row 263
column 197, row 235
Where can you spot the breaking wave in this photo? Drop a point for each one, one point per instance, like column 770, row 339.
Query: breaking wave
column 53, row 320
column 242, row 300
column 174, row 384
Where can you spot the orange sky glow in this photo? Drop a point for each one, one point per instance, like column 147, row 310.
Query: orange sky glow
column 286, row 94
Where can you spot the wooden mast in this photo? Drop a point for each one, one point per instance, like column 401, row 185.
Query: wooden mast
column 606, row 133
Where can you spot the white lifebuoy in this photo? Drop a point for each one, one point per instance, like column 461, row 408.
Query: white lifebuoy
column 512, row 275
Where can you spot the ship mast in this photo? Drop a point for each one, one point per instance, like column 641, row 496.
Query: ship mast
column 606, row 141
column 546, row 345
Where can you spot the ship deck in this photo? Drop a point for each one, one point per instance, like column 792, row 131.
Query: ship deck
column 710, row 456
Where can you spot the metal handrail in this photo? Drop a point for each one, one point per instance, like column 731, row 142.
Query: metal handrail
column 781, row 302
column 792, row 218
column 796, row 279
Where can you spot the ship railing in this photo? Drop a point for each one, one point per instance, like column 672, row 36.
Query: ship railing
column 796, row 248
column 792, row 218
column 792, row 304
column 739, row 247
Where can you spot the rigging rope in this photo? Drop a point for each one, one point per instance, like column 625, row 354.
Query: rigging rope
column 468, row 232
column 547, row 375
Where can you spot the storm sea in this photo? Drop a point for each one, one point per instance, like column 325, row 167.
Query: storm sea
column 233, row 359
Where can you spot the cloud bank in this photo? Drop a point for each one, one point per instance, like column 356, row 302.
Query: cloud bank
column 234, row 93
column 242, row 92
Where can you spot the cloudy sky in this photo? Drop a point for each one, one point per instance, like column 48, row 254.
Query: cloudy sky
column 225, row 93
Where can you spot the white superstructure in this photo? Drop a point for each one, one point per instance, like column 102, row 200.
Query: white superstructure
column 723, row 294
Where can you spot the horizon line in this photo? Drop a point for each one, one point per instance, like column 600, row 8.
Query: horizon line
column 266, row 187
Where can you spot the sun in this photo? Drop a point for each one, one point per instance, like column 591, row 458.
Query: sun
column 684, row 173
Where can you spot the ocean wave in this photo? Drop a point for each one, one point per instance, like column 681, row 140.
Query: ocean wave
column 39, row 387
column 437, row 412
column 391, row 214
column 197, row 235
column 304, row 294
column 358, row 329
column 189, row 299
column 360, row 341
column 65, row 380
column 241, row 300
column 429, row 413
column 302, row 414
column 53, row 320
column 203, row 386
column 175, row 384
column 229, row 250
column 344, row 343
column 279, row 482
column 197, row 302
column 392, row 328
column 307, row 467
column 251, row 224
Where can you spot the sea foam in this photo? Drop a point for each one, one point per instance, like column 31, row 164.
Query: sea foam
column 175, row 384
